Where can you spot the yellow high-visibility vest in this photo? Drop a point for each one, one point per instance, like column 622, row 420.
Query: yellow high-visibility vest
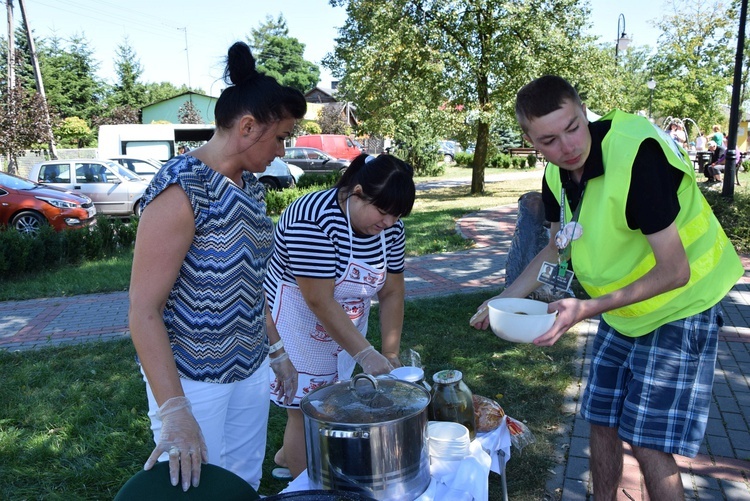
column 610, row 256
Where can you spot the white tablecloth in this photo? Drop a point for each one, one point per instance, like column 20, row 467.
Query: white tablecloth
column 456, row 480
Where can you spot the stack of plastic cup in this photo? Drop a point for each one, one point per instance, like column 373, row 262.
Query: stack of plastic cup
column 448, row 441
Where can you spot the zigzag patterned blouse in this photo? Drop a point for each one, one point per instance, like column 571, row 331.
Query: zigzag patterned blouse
column 215, row 314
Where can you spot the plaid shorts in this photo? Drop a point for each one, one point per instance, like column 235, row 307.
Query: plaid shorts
column 656, row 388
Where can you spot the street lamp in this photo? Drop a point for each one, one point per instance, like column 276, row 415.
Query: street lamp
column 651, row 84
column 622, row 41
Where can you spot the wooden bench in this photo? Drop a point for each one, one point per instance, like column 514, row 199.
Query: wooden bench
column 525, row 152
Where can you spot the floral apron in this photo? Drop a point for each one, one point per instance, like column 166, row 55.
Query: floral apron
column 317, row 357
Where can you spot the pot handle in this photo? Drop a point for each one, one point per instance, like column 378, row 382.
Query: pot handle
column 363, row 375
column 328, row 432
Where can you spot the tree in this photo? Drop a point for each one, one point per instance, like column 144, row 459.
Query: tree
column 117, row 115
column 128, row 91
column 70, row 80
column 22, row 123
column 400, row 61
column 331, row 121
column 22, row 59
column 188, row 114
column 694, row 60
column 155, row 92
column 73, row 132
column 281, row 56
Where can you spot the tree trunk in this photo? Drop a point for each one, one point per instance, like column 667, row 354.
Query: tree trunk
column 480, row 157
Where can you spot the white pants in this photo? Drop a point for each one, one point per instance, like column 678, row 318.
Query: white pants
column 233, row 418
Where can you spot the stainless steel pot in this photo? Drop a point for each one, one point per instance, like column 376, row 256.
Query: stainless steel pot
column 368, row 435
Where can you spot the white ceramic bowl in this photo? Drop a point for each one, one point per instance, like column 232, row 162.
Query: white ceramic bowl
column 519, row 320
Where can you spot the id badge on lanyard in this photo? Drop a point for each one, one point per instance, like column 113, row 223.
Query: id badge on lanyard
column 559, row 276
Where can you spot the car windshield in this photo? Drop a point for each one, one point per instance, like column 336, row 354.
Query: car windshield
column 123, row 172
column 16, row 183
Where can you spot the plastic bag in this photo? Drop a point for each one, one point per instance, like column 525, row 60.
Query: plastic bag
column 520, row 434
column 410, row 358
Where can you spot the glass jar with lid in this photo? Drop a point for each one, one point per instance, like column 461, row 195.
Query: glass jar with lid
column 451, row 400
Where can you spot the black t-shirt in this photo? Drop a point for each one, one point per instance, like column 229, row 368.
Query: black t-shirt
column 652, row 203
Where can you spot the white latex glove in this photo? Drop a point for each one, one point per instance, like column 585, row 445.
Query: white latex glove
column 373, row 362
column 182, row 439
column 286, row 377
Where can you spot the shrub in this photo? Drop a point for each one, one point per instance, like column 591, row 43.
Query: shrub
column 531, row 160
column 22, row 254
column 734, row 216
column 319, row 179
column 463, row 158
column 277, row 201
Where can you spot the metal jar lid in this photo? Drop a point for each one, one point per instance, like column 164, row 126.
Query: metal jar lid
column 447, row 376
column 365, row 399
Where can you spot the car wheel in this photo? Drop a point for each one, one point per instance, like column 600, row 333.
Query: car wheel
column 137, row 209
column 447, row 158
column 270, row 183
column 28, row 223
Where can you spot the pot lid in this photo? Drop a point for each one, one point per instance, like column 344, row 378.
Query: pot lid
column 365, row 399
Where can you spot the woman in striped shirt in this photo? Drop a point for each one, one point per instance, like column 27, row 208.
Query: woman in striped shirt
column 334, row 250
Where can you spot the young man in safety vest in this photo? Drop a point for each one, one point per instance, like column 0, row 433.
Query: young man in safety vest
column 628, row 218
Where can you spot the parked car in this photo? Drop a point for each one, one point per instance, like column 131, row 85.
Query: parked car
column 336, row 145
column 449, row 149
column 115, row 190
column 26, row 206
column 143, row 167
column 296, row 172
column 314, row 160
column 277, row 176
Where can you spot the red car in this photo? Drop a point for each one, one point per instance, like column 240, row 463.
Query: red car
column 26, row 206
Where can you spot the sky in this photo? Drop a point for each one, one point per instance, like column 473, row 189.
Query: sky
column 185, row 41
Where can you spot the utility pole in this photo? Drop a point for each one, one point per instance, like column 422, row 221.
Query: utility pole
column 730, row 164
column 38, row 79
column 11, row 48
column 11, row 76
column 187, row 57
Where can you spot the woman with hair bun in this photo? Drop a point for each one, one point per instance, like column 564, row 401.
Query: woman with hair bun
column 198, row 315
column 334, row 251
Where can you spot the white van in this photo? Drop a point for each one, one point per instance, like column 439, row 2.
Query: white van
column 158, row 141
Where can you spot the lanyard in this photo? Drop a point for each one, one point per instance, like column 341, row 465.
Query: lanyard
column 563, row 254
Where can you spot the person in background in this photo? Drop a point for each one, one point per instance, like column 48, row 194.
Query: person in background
column 335, row 250
column 714, row 169
column 677, row 133
column 700, row 142
column 198, row 315
column 633, row 197
column 181, row 150
column 716, row 136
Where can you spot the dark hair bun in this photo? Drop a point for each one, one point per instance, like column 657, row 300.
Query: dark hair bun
column 240, row 64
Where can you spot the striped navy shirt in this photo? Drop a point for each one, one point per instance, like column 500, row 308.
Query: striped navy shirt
column 311, row 240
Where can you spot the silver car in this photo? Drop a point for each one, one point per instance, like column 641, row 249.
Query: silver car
column 115, row 190
column 143, row 167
